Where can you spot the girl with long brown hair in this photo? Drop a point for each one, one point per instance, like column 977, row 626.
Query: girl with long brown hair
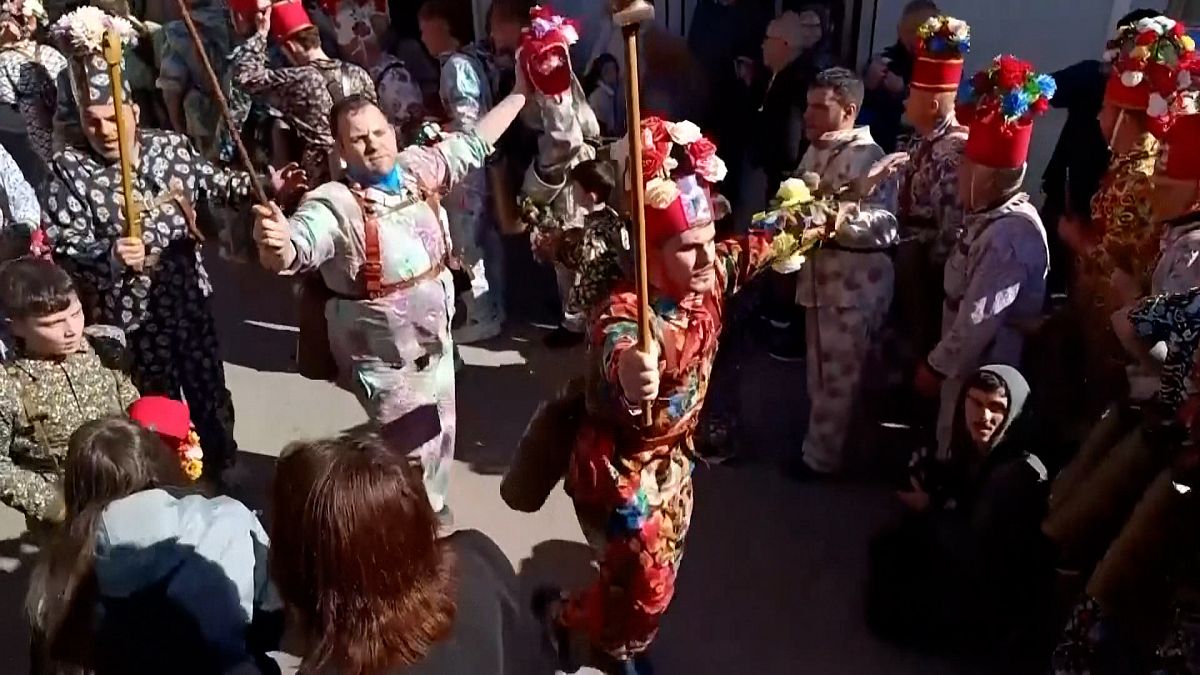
column 143, row 577
column 358, row 561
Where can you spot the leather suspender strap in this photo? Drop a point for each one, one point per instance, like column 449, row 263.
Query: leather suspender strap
column 371, row 272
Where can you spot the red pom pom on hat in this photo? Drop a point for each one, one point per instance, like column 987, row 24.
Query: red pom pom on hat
column 288, row 18
column 164, row 416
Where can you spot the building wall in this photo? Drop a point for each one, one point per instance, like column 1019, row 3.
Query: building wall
column 1051, row 34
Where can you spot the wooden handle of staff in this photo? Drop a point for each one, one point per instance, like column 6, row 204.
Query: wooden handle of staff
column 114, row 54
column 214, row 84
column 630, row 16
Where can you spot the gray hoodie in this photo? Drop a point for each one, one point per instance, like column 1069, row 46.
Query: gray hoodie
column 206, row 558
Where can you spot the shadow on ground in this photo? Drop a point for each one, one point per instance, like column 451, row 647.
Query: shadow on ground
column 17, row 558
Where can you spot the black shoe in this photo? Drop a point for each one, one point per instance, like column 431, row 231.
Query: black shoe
column 543, row 605
column 561, row 338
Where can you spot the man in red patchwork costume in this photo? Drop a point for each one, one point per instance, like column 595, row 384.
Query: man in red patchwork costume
column 632, row 486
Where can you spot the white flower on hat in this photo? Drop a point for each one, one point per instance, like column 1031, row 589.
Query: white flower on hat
column 959, row 28
column 1110, row 55
column 661, row 193
column 1188, row 104
column 712, row 170
column 1132, row 78
column 1158, row 106
column 1166, row 23
column 683, row 133
column 1149, row 25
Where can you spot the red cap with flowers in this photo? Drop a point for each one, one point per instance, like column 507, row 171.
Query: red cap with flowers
column 1176, row 122
column 172, row 421
column 678, row 198
column 999, row 104
column 288, row 18
column 545, row 50
column 942, row 42
column 1145, row 58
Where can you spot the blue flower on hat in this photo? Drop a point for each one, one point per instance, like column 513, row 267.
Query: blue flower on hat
column 1047, row 85
column 937, row 44
column 1015, row 104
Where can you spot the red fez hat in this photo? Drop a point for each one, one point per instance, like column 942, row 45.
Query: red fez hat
column 691, row 208
column 287, row 19
column 243, row 7
column 1180, row 154
column 677, row 201
column 934, row 74
column 941, row 43
column 998, row 144
column 164, row 416
column 545, row 50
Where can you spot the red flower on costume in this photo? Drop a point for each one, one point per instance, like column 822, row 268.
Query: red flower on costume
column 653, row 588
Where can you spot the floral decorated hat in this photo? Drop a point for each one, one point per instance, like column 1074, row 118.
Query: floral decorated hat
column 545, row 50
column 172, row 421
column 80, row 36
column 1145, row 58
column 678, row 197
column 999, row 104
column 942, row 42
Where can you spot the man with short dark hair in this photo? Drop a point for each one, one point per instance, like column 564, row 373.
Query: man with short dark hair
column 846, row 286
column 305, row 92
column 381, row 245
column 62, row 377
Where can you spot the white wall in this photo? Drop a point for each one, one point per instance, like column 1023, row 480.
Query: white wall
column 1051, row 34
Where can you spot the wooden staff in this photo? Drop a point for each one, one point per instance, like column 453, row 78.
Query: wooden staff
column 214, row 84
column 114, row 52
column 630, row 15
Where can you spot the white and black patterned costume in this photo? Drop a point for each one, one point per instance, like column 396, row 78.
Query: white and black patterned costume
column 165, row 310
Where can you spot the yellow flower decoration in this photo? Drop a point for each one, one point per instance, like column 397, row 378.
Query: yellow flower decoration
column 190, row 456
column 792, row 193
column 1188, row 43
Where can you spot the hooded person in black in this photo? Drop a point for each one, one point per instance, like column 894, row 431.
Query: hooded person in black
column 968, row 561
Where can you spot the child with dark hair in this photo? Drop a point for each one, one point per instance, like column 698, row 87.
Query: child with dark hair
column 588, row 258
column 61, row 377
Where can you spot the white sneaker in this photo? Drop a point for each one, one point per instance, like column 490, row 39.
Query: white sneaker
column 477, row 331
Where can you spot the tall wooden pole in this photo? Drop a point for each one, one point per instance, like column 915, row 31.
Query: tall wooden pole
column 630, row 15
column 114, row 53
column 214, row 85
